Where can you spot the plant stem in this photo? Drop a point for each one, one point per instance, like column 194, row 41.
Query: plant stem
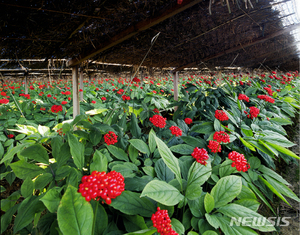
column 95, row 217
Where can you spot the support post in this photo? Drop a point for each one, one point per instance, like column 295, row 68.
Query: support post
column 81, row 84
column 26, row 85
column 76, row 108
column 175, row 83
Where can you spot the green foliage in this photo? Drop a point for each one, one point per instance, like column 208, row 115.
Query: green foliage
column 52, row 152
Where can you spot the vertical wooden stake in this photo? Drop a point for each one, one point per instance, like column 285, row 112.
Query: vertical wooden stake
column 175, row 82
column 26, row 85
column 81, row 84
column 76, row 108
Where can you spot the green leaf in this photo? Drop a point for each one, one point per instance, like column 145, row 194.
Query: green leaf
column 273, row 174
column 1, row 150
column 247, row 144
column 209, row 232
column 209, row 203
column 169, row 159
column 151, row 141
column 283, row 150
column 101, row 217
column 261, row 196
column 193, row 141
column 236, row 211
column 133, row 223
column 99, row 162
column 77, row 151
column 135, row 129
column 246, row 193
column 7, row 217
column 254, row 162
column 52, row 199
column 10, row 155
column 10, row 201
column 26, row 212
column 281, row 121
column 183, row 149
column 148, row 231
column 75, row 215
column 118, row 153
column 140, row 145
column 281, row 188
column 44, row 130
column 23, row 169
column 127, row 169
column 36, row 152
column 162, row 171
column 133, row 153
column 203, row 128
column 212, row 220
column 177, row 226
column 42, row 180
column 130, row 203
column 162, row 192
column 27, row 188
column 95, row 111
column 226, row 190
column 233, row 229
column 197, row 176
column 276, row 138
column 56, row 144
column 197, row 206
column 226, row 169
column 251, row 204
column 95, row 135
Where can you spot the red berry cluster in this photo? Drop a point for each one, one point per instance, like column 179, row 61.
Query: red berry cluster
column 102, row 186
column 156, row 110
column 162, row 222
column 125, row 97
column 176, row 131
column 10, row 136
column 239, row 161
column 214, row 146
column 200, row 155
column 253, row 112
column 60, row 131
column 56, row 108
column 269, row 90
column 103, row 98
column 110, row 138
column 243, row 97
column 188, row 121
column 158, row 121
column 221, row 115
column 266, row 98
column 221, row 136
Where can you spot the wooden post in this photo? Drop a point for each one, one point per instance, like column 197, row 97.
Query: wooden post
column 81, row 84
column 76, row 108
column 26, row 85
column 175, row 83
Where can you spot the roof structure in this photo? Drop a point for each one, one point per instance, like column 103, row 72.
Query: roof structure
column 193, row 33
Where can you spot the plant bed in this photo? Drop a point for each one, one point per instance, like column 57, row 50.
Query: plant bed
column 149, row 168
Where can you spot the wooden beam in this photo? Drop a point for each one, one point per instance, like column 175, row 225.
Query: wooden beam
column 76, row 107
column 243, row 46
column 134, row 29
